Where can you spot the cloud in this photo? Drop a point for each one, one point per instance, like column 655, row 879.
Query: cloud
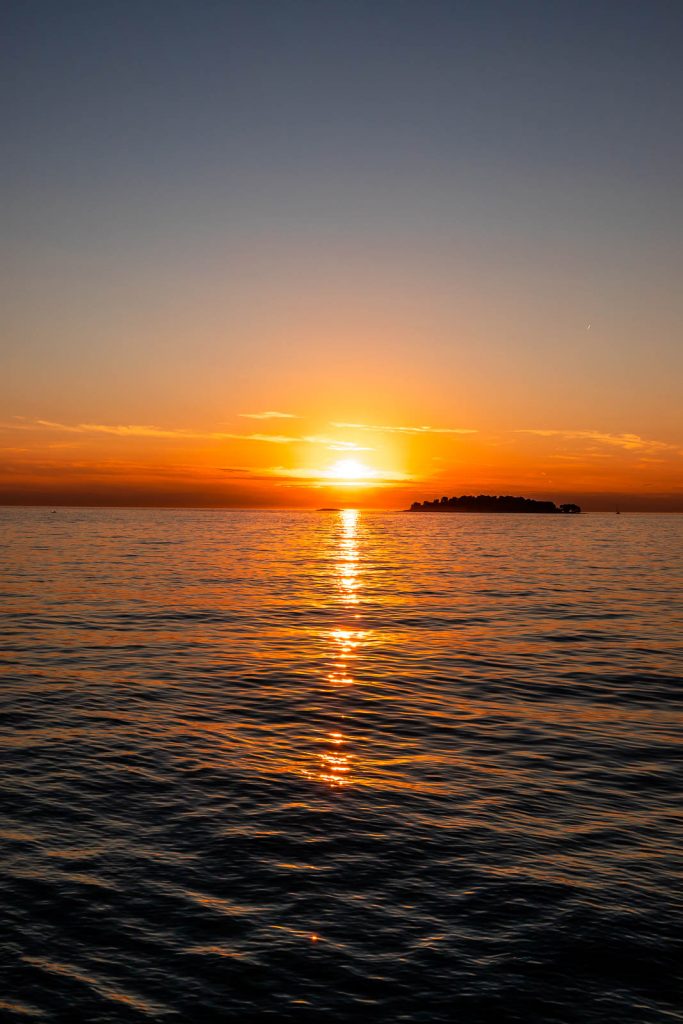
column 145, row 430
column 337, row 446
column 628, row 442
column 579, row 458
column 270, row 414
column 268, row 438
column 327, row 477
column 119, row 430
column 405, row 430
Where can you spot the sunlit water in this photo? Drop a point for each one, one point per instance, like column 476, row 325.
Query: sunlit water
column 331, row 767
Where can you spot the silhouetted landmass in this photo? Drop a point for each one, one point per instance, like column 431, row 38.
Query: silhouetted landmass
column 492, row 503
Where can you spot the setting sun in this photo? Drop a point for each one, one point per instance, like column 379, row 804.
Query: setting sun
column 350, row 471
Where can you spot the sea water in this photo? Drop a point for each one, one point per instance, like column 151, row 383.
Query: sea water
column 340, row 766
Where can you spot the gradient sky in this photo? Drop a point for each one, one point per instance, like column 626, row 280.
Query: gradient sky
column 369, row 216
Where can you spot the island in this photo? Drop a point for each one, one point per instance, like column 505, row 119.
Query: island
column 493, row 503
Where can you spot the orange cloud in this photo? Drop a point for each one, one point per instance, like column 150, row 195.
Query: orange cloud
column 629, row 442
column 406, row 430
column 149, row 431
column 329, row 476
column 269, row 415
column 337, row 446
column 145, row 430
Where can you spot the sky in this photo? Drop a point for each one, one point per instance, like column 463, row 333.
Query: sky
column 317, row 252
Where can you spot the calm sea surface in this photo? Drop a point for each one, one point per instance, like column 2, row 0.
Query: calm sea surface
column 340, row 767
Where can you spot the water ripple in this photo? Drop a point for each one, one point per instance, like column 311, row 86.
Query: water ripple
column 278, row 766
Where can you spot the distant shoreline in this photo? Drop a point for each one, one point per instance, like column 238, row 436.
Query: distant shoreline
column 496, row 504
column 499, row 512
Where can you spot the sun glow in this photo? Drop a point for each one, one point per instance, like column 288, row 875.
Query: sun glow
column 349, row 471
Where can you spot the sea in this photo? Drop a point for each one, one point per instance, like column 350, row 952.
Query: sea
column 340, row 766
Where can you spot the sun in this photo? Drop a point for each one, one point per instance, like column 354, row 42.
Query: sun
column 349, row 471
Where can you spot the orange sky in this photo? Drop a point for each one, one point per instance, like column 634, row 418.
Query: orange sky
column 446, row 246
column 282, row 458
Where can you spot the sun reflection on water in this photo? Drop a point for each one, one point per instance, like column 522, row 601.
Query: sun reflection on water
column 347, row 561
column 335, row 761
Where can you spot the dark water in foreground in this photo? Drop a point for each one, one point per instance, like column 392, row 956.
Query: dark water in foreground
column 321, row 767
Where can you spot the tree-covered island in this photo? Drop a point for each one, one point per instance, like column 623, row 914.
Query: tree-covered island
column 492, row 503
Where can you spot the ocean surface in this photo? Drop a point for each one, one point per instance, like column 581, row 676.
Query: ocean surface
column 340, row 767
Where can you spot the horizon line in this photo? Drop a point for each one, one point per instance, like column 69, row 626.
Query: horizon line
column 289, row 508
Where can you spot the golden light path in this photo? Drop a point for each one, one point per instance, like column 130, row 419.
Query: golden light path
column 335, row 760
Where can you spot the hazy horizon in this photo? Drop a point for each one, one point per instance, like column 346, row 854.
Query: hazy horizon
column 589, row 505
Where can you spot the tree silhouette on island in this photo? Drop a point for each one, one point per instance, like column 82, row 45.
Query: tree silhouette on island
column 492, row 503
